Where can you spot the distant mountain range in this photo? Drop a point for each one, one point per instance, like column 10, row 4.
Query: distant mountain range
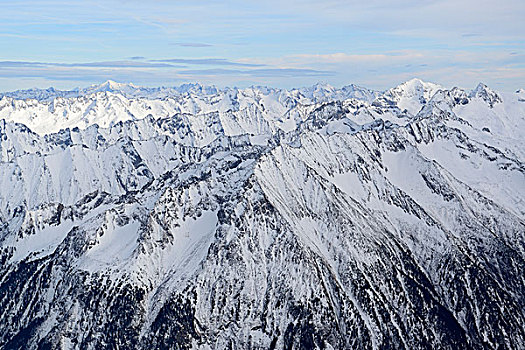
column 260, row 218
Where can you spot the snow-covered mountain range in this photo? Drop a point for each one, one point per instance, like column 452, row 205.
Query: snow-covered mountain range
column 261, row 218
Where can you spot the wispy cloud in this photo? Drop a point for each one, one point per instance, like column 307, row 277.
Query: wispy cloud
column 267, row 72
column 209, row 62
column 119, row 64
column 290, row 72
column 341, row 57
column 192, row 44
column 15, row 64
column 103, row 64
column 152, row 72
column 470, row 35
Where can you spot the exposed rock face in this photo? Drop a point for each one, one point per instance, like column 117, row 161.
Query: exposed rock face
column 260, row 218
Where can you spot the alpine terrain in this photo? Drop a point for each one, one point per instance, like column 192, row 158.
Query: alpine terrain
column 196, row 217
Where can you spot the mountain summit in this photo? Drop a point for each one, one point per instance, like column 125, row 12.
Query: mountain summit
column 110, row 86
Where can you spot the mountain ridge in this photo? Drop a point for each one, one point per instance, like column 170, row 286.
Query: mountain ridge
column 50, row 110
column 258, row 218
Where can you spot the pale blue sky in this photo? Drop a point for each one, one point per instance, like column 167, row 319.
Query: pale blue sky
column 373, row 43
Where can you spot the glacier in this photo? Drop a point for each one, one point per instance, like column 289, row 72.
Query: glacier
column 194, row 217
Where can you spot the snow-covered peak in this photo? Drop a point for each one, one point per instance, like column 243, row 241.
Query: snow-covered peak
column 414, row 88
column 414, row 83
column 318, row 90
column 128, row 90
column 410, row 95
column 485, row 93
column 322, row 92
column 198, row 89
column 40, row 94
column 360, row 93
column 111, row 86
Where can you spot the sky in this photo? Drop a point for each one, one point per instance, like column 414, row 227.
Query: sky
column 377, row 44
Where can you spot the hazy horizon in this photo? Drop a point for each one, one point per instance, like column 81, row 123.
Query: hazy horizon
column 467, row 88
column 279, row 44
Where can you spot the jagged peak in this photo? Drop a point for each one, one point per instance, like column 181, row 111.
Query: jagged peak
column 319, row 87
column 440, row 105
column 485, row 93
column 480, row 87
column 198, row 88
column 355, row 87
column 322, row 85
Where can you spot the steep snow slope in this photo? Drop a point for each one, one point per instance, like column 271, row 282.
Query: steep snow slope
column 264, row 218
